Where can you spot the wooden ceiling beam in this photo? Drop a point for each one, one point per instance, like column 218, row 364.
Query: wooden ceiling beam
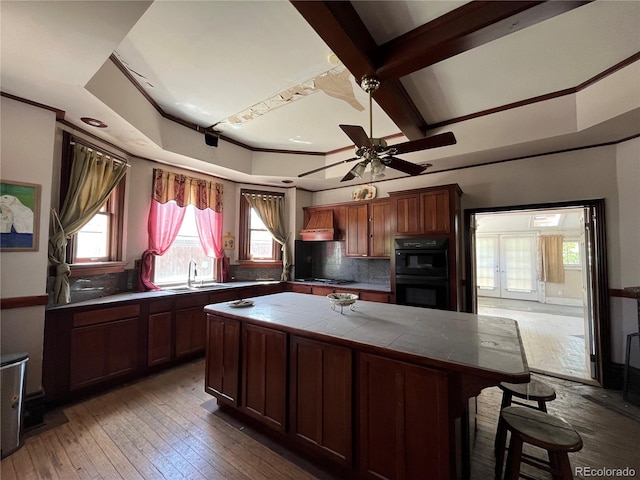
column 339, row 25
column 467, row 27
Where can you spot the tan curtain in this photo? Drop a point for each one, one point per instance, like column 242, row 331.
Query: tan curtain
column 551, row 253
column 270, row 209
column 186, row 190
column 94, row 175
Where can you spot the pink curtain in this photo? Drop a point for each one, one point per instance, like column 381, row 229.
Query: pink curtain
column 164, row 223
column 209, row 224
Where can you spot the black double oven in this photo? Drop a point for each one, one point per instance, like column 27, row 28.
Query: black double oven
column 422, row 272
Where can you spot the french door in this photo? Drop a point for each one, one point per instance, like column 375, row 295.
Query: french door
column 506, row 266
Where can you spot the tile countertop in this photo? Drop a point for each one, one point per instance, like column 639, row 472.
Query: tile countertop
column 126, row 296
column 453, row 340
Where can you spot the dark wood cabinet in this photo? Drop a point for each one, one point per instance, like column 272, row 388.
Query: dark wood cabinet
column 159, row 338
column 102, row 351
column 222, row 364
column 321, row 398
column 380, row 297
column 403, row 418
column 380, row 235
column 436, row 212
column 264, row 375
column 357, row 235
column 322, row 290
column 407, row 214
column 426, row 211
column 368, row 231
column 190, row 324
column 299, row 288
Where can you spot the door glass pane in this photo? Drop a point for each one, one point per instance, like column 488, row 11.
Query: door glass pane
column 485, row 263
column 518, row 255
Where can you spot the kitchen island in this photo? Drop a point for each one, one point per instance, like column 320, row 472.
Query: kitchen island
column 379, row 392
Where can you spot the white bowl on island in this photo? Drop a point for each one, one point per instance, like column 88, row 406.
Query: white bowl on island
column 342, row 300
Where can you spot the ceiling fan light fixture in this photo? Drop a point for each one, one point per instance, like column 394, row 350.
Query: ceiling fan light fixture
column 359, row 169
column 377, row 169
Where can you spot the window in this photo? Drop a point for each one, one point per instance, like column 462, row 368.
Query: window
column 256, row 243
column 100, row 240
column 571, row 253
column 94, row 242
column 173, row 267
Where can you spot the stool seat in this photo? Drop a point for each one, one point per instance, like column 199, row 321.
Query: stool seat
column 537, row 428
column 542, row 430
column 534, row 391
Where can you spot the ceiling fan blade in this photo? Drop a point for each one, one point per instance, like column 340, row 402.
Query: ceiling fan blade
column 403, row 165
column 434, row 141
column 327, row 166
column 357, row 135
column 349, row 176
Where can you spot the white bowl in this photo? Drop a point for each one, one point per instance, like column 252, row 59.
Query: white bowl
column 342, row 300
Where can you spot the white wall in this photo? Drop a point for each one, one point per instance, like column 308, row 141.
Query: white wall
column 26, row 147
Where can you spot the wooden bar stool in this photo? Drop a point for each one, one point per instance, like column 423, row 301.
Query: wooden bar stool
column 542, row 430
column 534, row 391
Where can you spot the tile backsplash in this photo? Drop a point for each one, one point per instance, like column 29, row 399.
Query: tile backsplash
column 328, row 260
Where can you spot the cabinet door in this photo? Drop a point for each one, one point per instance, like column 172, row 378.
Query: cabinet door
column 380, row 297
column 99, row 352
column 264, row 375
column 190, row 330
column 321, row 383
column 408, row 218
column 159, row 338
column 436, row 214
column 380, row 229
column 297, row 288
column 404, row 421
column 222, row 363
column 321, row 290
column 357, row 242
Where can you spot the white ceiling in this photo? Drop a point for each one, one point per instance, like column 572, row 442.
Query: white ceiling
column 205, row 61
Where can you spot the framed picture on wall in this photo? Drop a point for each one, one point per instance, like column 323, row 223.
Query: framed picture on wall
column 19, row 216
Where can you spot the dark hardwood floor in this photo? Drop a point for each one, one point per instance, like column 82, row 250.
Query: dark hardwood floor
column 165, row 426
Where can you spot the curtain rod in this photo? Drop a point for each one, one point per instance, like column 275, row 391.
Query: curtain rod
column 99, row 152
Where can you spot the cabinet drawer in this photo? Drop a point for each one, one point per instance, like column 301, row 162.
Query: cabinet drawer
column 380, row 297
column 104, row 315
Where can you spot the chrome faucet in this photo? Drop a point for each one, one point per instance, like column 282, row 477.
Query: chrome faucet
column 195, row 272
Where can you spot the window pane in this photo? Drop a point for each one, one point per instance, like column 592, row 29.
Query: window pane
column 261, row 244
column 92, row 240
column 173, row 266
column 571, row 253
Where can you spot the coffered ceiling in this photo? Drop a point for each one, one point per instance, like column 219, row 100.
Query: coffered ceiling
column 510, row 79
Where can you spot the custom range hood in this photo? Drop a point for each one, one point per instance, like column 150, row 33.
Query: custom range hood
column 319, row 227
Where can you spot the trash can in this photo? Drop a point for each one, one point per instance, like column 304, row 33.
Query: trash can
column 12, row 371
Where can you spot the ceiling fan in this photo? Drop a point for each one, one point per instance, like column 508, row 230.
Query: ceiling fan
column 375, row 151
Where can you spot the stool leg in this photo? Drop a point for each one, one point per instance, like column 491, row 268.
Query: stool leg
column 563, row 465
column 506, row 400
column 514, row 458
column 499, row 446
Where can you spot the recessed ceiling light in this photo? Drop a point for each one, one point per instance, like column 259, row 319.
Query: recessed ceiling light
column 287, row 181
column 94, row 122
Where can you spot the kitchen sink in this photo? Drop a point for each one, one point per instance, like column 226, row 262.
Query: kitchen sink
column 195, row 288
